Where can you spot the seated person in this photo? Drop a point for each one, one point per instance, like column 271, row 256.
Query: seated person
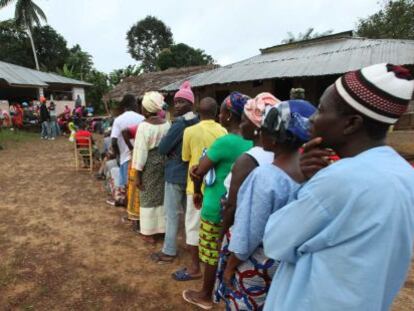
column 82, row 141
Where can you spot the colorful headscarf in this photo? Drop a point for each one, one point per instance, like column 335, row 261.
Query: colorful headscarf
column 235, row 102
column 255, row 107
column 289, row 116
column 153, row 102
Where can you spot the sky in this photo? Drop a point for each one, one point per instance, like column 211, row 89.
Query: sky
column 228, row 30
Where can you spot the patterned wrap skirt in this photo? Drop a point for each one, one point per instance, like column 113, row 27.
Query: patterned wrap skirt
column 152, row 213
column 133, row 195
column 209, row 243
column 251, row 281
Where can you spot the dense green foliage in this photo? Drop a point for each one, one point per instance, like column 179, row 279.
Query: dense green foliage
column 146, row 39
column 15, row 45
column 395, row 20
column 182, row 55
column 118, row 75
column 16, row 49
column 150, row 41
column 27, row 14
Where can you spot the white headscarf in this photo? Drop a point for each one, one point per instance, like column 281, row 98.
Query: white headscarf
column 153, row 102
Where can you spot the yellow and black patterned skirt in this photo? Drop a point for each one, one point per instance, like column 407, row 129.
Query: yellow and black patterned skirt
column 209, row 244
column 133, row 195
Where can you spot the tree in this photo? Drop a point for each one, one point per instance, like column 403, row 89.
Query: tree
column 67, row 72
column 14, row 45
column 79, row 62
column 182, row 55
column 16, row 48
column 394, row 20
column 27, row 14
column 146, row 39
column 307, row 35
column 117, row 75
column 51, row 48
column 100, row 87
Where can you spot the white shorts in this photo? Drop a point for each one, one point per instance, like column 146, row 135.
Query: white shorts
column 192, row 222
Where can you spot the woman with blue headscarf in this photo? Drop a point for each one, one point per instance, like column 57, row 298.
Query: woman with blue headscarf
column 245, row 273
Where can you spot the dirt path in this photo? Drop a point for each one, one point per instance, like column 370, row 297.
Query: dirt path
column 63, row 248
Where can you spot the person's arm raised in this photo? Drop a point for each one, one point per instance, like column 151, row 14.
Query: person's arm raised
column 314, row 158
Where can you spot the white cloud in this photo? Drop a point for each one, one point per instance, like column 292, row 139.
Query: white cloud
column 229, row 30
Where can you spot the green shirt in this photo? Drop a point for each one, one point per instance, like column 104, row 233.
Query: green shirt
column 223, row 152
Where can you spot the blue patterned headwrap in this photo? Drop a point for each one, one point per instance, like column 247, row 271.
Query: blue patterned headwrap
column 290, row 116
column 235, row 102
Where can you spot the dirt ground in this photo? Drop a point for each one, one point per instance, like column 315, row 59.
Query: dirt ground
column 63, row 248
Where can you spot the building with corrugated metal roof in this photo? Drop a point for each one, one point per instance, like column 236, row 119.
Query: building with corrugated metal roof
column 310, row 64
column 19, row 84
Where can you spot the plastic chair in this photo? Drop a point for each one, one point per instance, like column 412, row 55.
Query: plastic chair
column 83, row 153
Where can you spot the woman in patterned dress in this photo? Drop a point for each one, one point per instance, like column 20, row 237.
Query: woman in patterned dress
column 149, row 165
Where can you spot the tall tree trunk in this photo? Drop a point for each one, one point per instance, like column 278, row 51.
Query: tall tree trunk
column 29, row 33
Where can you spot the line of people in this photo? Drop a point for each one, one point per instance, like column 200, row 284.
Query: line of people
column 287, row 207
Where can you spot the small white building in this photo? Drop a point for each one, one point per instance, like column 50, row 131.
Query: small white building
column 20, row 84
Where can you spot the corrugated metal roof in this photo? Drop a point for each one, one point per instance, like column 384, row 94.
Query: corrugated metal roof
column 327, row 57
column 21, row 76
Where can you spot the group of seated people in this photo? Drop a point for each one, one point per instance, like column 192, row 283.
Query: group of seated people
column 287, row 206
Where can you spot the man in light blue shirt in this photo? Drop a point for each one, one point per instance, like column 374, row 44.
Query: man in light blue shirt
column 346, row 242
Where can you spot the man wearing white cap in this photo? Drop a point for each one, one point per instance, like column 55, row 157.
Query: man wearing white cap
column 346, row 242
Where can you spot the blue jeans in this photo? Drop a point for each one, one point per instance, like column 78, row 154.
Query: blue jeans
column 175, row 197
column 123, row 174
column 53, row 129
column 45, row 129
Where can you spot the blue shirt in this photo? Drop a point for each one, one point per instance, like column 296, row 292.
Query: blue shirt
column 264, row 191
column 346, row 242
column 171, row 146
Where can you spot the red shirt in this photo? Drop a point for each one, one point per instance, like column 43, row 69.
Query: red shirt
column 80, row 137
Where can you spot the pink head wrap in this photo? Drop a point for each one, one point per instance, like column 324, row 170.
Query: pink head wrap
column 185, row 92
column 255, row 107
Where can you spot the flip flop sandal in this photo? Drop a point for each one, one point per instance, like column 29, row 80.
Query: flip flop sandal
column 198, row 304
column 182, row 275
column 161, row 258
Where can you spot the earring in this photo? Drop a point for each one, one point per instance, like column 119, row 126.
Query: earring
column 256, row 132
column 228, row 120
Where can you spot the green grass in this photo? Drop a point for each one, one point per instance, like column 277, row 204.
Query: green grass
column 8, row 136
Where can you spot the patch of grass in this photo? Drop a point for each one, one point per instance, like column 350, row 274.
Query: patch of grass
column 7, row 135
